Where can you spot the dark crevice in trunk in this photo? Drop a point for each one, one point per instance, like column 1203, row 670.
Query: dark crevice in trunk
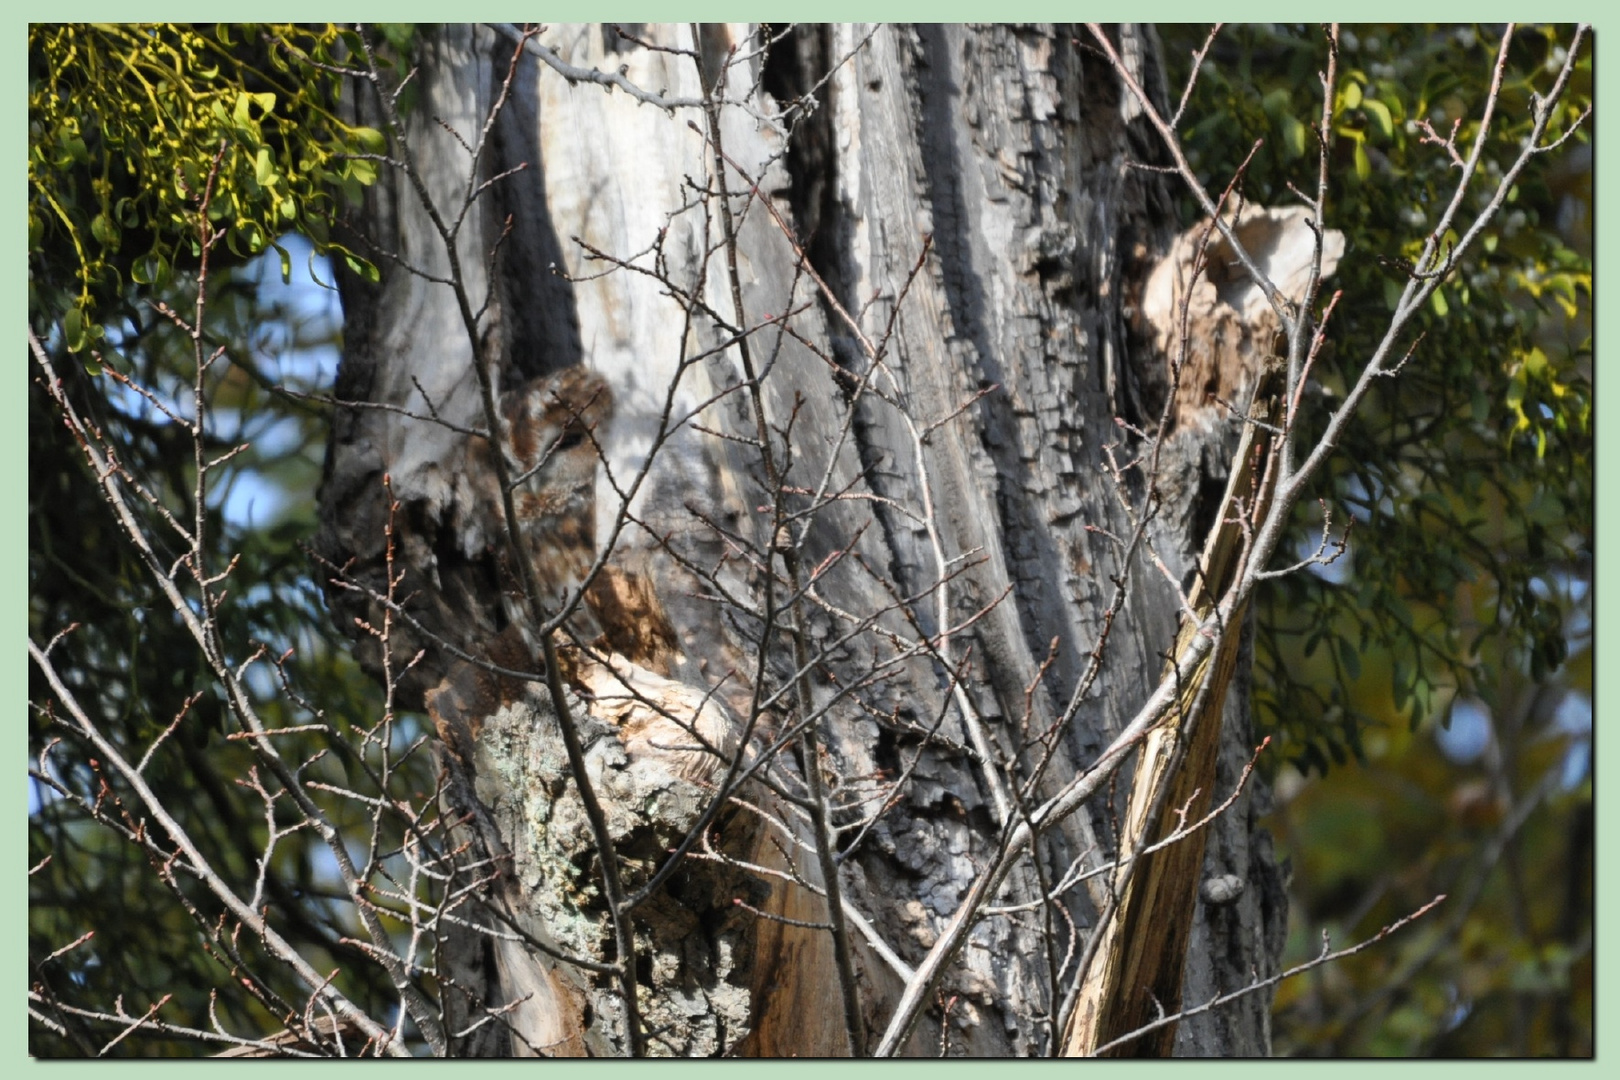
column 1030, row 548
column 826, row 226
column 792, row 68
column 536, row 314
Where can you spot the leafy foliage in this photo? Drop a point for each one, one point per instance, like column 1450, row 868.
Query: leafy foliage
column 125, row 123
column 1469, row 477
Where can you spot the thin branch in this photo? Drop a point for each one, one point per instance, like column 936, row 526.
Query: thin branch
column 1324, row 957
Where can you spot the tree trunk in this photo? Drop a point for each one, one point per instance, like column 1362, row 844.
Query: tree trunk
column 997, row 160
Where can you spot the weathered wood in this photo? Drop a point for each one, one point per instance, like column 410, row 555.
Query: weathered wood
column 1003, row 153
column 1220, row 327
column 1138, row 971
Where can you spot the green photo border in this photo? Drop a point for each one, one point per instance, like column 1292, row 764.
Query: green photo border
column 13, row 535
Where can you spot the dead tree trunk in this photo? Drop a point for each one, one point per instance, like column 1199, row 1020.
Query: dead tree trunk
column 867, row 298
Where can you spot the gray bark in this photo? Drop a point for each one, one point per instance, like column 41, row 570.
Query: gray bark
column 1010, row 148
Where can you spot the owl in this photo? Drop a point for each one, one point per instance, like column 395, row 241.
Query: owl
column 551, row 427
column 549, row 432
column 664, row 724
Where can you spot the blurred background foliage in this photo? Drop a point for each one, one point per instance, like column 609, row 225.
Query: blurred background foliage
column 1431, row 693
column 125, row 124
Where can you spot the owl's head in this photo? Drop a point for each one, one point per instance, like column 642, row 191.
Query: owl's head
column 552, row 427
column 551, row 424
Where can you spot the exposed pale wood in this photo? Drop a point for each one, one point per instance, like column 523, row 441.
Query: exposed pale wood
column 1140, row 964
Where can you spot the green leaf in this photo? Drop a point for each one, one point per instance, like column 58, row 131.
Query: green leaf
column 1363, row 163
column 104, row 231
column 1437, row 301
column 1350, row 658
column 364, row 171
column 264, row 168
column 242, row 121
column 1378, row 112
column 1293, row 137
column 371, row 140
column 362, row 268
column 73, row 330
